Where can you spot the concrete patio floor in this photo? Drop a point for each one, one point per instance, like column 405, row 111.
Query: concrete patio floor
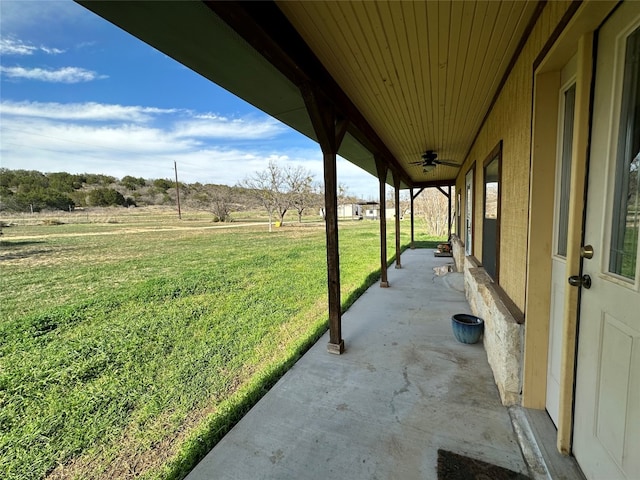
column 403, row 389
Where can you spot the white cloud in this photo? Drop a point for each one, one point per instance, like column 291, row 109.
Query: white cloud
column 187, row 124
column 89, row 111
column 10, row 46
column 69, row 131
column 61, row 75
column 128, row 141
column 51, row 51
column 121, row 150
column 211, row 126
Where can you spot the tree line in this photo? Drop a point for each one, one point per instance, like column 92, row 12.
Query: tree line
column 31, row 190
column 277, row 190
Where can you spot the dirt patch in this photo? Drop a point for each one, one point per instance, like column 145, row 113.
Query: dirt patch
column 301, row 231
column 128, row 231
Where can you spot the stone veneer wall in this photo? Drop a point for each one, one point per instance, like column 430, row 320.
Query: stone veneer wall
column 457, row 249
column 503, row 337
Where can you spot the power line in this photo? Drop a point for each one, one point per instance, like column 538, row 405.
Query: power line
column 175, row 167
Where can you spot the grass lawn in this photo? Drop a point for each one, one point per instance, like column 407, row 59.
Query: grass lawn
column 129, row 349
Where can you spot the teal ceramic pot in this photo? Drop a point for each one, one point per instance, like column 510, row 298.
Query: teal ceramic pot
column 467, row 328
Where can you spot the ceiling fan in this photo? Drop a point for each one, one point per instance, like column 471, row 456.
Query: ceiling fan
column 430, row 161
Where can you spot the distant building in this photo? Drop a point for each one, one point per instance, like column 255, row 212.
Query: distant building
column 371, row 210
column 350, row 210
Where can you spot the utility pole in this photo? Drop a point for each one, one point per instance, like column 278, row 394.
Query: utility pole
column 175, row 168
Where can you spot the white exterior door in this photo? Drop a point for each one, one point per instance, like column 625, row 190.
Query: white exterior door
column 606, row 440
column 468, row 197
column 559, row 245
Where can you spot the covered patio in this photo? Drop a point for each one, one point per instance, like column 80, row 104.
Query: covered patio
column 403, row 389
column 399, row 89
column 495, row 101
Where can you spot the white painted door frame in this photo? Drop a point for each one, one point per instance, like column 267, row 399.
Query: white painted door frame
column 468, row 239
column 566, row 111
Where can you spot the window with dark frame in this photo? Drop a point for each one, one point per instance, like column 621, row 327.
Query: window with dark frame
column 491, row 213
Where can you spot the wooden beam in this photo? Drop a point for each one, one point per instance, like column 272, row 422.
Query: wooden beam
column 434, row 183
column 412, row 246
column 382, row 168
column 263, row 26
column 330, row 130
column 342, row 126
column 449, row 211
column 396, row 185
column 380, row 150
column 443, row 192
column 448, row 195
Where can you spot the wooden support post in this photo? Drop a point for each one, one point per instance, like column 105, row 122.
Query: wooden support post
column 412, row 246
column 449, row 211
column 336, row 343
column 396, row 186
column 175, row 167
column 382, row 168
column 330, row 130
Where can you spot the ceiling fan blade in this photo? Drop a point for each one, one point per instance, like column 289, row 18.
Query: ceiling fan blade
column 448, row 164
column 417, row 163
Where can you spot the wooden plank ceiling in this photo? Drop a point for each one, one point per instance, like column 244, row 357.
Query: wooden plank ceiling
column 410, row 76
column 423, row 74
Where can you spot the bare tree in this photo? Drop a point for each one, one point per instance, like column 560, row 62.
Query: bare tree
column 265, row 186
column 342, row 193
column 405, row 201
column 221, row 200
column 432, row 205
column 390, row 198
column 217, row 199
column 300, row 185
column 277, row 187
column 344, row 196
column 319, row 190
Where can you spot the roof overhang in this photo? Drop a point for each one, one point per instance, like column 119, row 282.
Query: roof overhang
column 406, row 75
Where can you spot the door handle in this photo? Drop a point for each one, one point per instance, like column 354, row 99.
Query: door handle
column 580, row 281
column 586, row 252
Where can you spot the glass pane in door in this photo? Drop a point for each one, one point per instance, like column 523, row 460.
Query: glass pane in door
column 565, row 170
column 468, row 214
column 626, row 203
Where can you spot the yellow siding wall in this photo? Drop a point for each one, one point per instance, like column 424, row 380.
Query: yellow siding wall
column 510, row 121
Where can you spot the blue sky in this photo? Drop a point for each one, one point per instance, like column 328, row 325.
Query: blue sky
column 78, row 94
